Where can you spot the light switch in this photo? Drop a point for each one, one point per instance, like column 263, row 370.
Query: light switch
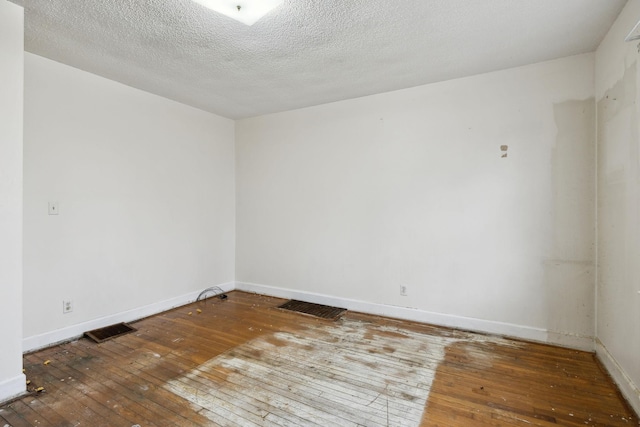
column 53, row 208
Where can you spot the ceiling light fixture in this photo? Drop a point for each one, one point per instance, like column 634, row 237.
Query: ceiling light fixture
column 245, row 11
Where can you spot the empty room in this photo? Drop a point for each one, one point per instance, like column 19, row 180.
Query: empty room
column 319, row 213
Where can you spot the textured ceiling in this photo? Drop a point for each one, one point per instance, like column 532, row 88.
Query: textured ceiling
column 306, row 52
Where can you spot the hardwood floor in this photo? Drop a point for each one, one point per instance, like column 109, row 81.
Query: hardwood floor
column 242, row 361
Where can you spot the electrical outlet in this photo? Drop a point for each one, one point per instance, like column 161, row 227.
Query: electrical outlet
column 67, row 306
column 403, row 290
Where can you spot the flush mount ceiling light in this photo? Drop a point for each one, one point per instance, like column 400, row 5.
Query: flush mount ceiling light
column 245, row 11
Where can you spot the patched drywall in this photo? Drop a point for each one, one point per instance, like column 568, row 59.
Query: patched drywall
column 145, row 190
column 358, row 198
column 570, row 269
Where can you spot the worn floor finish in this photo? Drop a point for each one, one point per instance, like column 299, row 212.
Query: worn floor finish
column 244, row 362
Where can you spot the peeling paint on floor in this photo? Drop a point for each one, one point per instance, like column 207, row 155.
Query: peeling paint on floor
column 349, row 373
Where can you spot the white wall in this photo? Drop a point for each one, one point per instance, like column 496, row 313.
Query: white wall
column 355, row 198
column 145, row 188
column 12, row 381
column 618, row 288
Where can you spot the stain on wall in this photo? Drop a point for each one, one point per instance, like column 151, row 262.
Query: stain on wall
column 569, row 270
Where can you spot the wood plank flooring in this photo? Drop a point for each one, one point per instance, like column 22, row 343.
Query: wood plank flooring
column 244, row 362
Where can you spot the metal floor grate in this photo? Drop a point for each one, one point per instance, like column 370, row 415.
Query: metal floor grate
column 109, row 332
column 317, row 310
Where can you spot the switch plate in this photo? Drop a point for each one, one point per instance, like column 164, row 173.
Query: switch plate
column 403, row 290
column 67, row 306
column 53, row 208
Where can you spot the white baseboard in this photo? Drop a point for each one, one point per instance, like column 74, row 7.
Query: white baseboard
column 629, row 390
column 528, row 333
column 13, row 387
column 47, row 339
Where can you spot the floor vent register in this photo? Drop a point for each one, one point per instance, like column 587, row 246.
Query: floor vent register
column 109, row 332
column 317, row 310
